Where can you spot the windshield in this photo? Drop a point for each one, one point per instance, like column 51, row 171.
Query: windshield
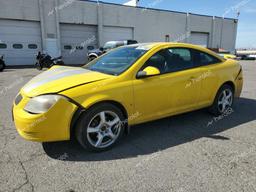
column 117, row 61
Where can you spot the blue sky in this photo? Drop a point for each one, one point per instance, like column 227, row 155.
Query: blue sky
column 246, row 36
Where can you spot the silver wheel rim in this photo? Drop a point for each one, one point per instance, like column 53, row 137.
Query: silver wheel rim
column 103, row 129
column 225, row 100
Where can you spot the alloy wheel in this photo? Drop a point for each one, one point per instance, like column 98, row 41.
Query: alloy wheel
column 103, row 129
column 225, row 100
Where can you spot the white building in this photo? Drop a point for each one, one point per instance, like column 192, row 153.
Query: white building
column 69, row 27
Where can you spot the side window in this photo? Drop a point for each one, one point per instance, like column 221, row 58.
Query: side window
column 205, row 59
column 159, row 61
column 179, row 59
column 131, row 42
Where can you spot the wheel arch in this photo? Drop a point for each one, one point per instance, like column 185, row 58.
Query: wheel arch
column 80, row 111
column 93, row 55
column 230, row 83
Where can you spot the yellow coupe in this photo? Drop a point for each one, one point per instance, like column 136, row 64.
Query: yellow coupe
column 129, row 85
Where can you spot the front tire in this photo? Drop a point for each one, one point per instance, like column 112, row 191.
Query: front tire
column 38, row 66
column 223, row 100
column 91, row 58
column 100, row 128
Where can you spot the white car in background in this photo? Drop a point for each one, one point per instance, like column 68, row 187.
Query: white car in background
column 252, row 57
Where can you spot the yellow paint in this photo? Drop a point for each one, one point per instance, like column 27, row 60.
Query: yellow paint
column 152, row 97
column 151, row 71
column 229, row 56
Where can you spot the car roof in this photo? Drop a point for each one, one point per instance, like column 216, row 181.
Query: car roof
column 159, row 44
column 151, row 45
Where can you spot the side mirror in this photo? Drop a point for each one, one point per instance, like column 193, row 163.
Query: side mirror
column 101, row 49
column 148, row 72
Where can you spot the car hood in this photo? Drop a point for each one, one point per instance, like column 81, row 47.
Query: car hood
column 60, row 78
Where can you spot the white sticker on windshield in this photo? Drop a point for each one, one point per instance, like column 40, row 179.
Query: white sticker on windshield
column 143, row 48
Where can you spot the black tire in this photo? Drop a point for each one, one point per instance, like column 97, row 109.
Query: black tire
column 38, row 66
column 2, row 66
column 86, row 119
column 215, row 109
column 91, row 58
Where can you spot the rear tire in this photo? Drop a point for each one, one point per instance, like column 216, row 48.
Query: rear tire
column 100, row 128
column 223, row 100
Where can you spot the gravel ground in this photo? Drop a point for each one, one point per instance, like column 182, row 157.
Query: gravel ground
column 185, row 153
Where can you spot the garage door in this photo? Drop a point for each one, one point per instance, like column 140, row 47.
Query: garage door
column 75, row 42
column 19, row 41
column 199, row 39
column 117, row 33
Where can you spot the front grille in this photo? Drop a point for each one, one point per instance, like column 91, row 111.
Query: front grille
column 18, row 99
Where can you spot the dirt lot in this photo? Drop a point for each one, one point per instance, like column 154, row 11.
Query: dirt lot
column 186, row 153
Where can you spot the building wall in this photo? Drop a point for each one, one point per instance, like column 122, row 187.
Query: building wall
column 148, row 24
column 19, row 9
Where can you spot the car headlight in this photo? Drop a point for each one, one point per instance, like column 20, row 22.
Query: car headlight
column 42, row 104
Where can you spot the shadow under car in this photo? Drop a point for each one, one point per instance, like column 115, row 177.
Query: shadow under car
column 159, row 135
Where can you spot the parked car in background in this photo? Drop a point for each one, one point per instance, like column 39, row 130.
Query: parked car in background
column 126, row 86
column 93, row 54
column 246, row 57
column 246, row 54
column 252, row 57
column 2, row 63
column 225, row 54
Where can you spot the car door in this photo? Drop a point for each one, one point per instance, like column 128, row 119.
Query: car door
column 210, row 66
column 184, row 81
column 174, row 91
column 151, row 93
